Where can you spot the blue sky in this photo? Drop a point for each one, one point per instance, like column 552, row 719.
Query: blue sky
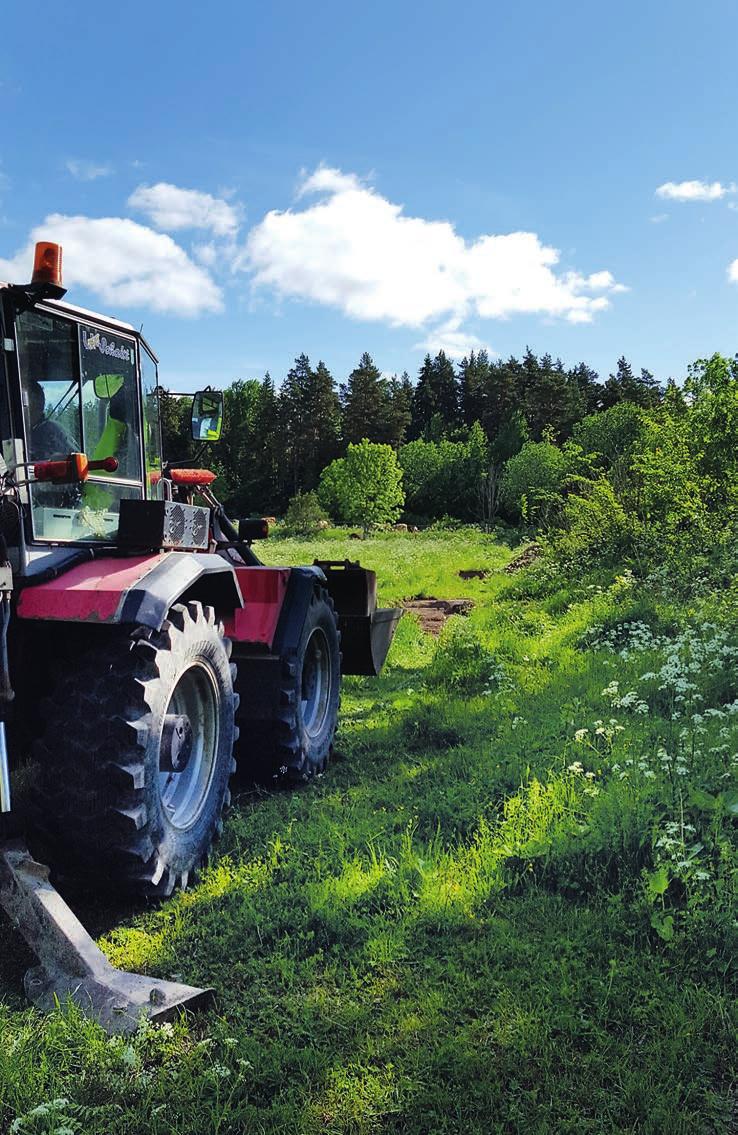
column 254, row 181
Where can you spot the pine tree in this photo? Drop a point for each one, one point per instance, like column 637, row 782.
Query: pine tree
column 624, row 386
column 365, row 401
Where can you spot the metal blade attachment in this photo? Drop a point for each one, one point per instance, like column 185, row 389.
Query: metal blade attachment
column 71, row 964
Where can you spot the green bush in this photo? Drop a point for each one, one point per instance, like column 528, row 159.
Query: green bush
column 613, row 437
column 304, row 516
column 364, row 487
column 442, row 478
column 534, row 481
column 597, row 530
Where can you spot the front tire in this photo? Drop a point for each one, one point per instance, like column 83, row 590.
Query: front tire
column 296, row 744
column 137, row 754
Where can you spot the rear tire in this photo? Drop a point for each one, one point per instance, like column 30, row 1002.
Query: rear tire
column 295, row 746
column 111, row 799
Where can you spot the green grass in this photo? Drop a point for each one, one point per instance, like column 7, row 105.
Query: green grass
column 474, row 922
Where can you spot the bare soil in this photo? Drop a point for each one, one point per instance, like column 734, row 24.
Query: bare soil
column 433, row 613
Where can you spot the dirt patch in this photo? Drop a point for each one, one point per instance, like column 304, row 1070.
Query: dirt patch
column 473, row 573
column 434, row 612
column 529, row 556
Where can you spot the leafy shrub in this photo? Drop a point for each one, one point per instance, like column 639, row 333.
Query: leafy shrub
column 596, row 529
column 304, row 516
column 534, row 481
column 364, row 487
column 442, row 478
column 614, row 433
column 613, row 437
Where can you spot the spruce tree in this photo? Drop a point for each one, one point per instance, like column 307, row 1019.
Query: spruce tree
column 587, row 390
column 399, row 409
column 293, row 403
column 311, row 417
column 324, row 424
column 436, row 397
column 505, row 394
column 365, row 404
column 650, row 389
column 270, row 497
column 473, row 387
column 547, row 401
column 447, row 390
column 424, row 401
column 621, row 386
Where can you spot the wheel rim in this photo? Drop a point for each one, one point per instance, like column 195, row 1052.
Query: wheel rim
column 316, row 683
column 183, row 794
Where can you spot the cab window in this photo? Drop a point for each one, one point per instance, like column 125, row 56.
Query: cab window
column 109, row 400
column 48, row 356
column 79, row 394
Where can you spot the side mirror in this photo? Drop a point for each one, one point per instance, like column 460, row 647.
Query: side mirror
column 207, row 415
column 107, row 385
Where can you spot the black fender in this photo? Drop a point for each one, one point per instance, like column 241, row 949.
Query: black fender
column 112, row 590
column 300, row 588
column 206, row 577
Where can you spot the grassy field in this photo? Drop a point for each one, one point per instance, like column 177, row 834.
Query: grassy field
column 509, row 906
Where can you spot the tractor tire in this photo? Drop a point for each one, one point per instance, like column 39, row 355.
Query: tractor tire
column 136, row 754
column 296, row 745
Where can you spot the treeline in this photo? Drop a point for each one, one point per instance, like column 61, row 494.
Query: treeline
column 452, row 429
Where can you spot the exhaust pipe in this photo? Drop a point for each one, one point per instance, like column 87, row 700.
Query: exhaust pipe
column 71, row 965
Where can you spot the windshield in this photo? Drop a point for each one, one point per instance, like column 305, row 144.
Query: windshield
column 79, row 394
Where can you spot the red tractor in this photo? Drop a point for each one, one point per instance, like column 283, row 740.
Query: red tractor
column 147, row 656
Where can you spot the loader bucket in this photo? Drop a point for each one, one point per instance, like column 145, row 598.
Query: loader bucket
column 71, row 965
column 366, row 630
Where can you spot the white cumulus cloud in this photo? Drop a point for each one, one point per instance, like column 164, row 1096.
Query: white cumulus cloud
column 354, row 250
column 451, row 338
column 694, row 190
column 85, row 170
column 126, row 264
column 171, row 208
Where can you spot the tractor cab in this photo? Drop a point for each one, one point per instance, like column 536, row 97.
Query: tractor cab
column 78, row 383
column 77, row 391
